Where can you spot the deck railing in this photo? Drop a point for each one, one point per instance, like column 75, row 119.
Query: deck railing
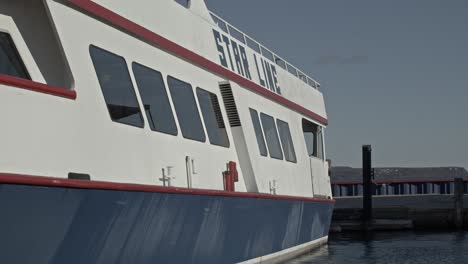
column 265, row 52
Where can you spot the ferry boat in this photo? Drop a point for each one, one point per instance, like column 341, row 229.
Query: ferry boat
column 154, row 132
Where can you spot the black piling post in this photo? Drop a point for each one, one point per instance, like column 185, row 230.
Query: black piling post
column 367, row 186
column 458, row 197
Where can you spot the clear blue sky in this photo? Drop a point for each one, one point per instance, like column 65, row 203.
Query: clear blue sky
column 394, row 73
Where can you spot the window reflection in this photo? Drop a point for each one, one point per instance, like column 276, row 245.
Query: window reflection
column 117, row 87
column 10, row 60
column 154, row 96
column 213, row 118
column 186, row 109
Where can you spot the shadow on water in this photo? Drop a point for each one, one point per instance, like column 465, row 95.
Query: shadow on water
column 392, row 248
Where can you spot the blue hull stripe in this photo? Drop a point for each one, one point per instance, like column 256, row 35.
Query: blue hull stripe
column 61, row 225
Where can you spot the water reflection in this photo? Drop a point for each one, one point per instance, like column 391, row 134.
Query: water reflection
column 392, row 248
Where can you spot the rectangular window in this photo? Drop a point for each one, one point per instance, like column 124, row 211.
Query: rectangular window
column 155, row 100
column 10, row 60
column 313, row 139
column 214, row 122
column 258, row 133
column 286, row 141
column 186, row 109
column 271, row 135
column 117, row 87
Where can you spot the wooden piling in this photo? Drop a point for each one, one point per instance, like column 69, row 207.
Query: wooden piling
column 458, row 198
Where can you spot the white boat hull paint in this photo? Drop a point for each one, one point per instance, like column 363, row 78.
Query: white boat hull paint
column 288, row 254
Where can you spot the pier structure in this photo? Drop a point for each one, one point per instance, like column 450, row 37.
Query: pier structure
column 403, row 198
column 347, row 181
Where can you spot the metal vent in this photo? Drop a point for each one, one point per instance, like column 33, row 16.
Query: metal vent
column 230, row 104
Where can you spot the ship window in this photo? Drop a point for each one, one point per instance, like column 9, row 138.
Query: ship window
column 155, row 99
column 313, row 139
column 286, row 141
column 186, row 109
column 258, row 132
column 214, row 122
column 10, row 60
column 271, row 135
column 220, row 23
column 184, row 3
column 116, row 86
column 252, row 44
column 236, row 34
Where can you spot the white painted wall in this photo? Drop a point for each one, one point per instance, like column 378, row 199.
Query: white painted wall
column 292, row 178
column 52, row 136
column 192, row 29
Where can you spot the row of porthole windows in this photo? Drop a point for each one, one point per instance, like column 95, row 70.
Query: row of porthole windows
column 120, row 97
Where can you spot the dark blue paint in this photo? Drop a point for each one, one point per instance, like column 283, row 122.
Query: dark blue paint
column 63, row 225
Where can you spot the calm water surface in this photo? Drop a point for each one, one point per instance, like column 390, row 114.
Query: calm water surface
column 390, row 248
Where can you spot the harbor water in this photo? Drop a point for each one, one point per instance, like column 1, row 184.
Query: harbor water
column 392, row 248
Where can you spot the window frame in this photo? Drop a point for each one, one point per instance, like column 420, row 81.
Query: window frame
column 258, row 130
column 318, row 143
column 130, row 82
column 203, row 116
column 19, row 59
column 288, row 138
column 149, row 116
column 181, row 126
column 275, row 136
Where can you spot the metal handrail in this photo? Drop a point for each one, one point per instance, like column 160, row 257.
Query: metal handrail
column 299, row 74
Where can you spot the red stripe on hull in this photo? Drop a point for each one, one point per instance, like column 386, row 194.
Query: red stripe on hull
column 151, row 37
column 81, row 184
column 37, row 87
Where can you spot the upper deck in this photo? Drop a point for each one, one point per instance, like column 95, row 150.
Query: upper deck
column 192, row 31
column 260, row 49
